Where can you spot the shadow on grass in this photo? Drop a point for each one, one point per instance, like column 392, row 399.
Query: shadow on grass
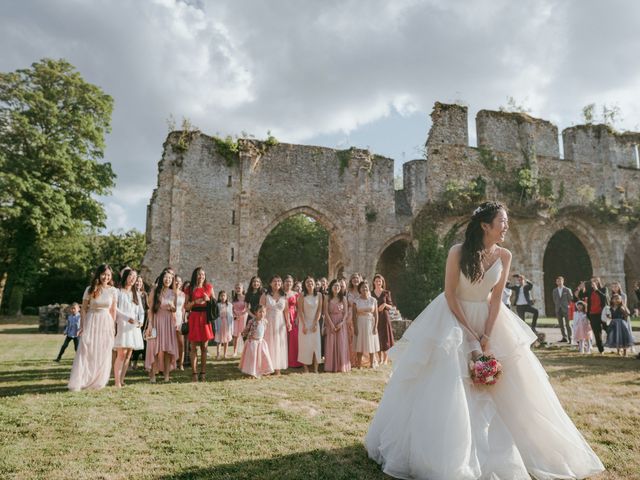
column 561, row 362
column 337, row 464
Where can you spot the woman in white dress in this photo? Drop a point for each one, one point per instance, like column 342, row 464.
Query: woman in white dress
column 129, row 320
column 309, row 339
column 278, row 324
column 92, row 363
column 432, row 422
column 365, row 324
column 180, row 314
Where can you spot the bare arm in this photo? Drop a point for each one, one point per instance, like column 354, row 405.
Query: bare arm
column 354, row 318
column 496, row 296
column 451, row 279
column 375, row 322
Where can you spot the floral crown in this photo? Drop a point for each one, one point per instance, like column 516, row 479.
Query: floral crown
column 484, row 208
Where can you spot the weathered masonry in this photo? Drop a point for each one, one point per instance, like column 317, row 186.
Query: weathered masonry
column 215, row 210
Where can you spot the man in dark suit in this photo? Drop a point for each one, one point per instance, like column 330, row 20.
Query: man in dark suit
column 523, row 301
column 562, row 296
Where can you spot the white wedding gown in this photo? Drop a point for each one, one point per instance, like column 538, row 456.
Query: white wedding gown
column 433, row 423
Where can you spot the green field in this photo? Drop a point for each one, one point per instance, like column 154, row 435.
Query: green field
column 291, row 427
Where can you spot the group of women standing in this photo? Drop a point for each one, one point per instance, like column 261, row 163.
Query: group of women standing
column 302, row 324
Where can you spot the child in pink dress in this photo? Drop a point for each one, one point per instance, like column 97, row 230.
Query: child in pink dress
column 255, row 359
column 240, row 314
column 582, row 328
column 224, row 324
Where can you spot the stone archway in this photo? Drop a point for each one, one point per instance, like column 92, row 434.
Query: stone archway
column 336, row 256
column 565, row 255
column 391, row 259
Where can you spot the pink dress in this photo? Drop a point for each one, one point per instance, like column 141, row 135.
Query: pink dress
column 255, row 359
column 581, row 327
column 165, row 341
column 276, row 332
column 240, row 314
column 336, row 352
column 293, row 334
column 92, row 364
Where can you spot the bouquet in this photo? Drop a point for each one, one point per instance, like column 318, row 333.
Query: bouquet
column 485, row 370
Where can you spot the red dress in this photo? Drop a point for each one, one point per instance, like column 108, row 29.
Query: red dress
column 199, row 329
column 292, row 301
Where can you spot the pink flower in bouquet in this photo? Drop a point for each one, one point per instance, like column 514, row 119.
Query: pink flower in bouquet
column 485, row 370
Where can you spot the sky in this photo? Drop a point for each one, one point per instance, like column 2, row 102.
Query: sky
column 336, row 73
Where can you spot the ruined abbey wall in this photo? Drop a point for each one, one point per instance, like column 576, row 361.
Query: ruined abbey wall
column 214, row 211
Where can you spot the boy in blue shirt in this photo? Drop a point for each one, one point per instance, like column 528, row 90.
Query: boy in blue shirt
column 71, row 330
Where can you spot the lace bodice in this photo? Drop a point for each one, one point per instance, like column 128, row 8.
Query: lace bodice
column 480, row 290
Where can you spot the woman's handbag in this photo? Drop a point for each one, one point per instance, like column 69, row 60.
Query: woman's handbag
column 184, row 328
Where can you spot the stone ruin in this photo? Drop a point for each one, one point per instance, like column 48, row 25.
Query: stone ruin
column 214, row 209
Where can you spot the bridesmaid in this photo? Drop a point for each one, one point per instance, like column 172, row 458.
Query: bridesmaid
column 144, row 302
column 278, row 324
column 162, row 349
column 254, row 294
column 200, row 293
column 292, row 302
column 129, row 320
column 352, row 295
column 180, row 313
column 240, row 314
column 365, row 321
column 92, row 364
column 337, row 342
column 224, row 324
column 309, row 311
column 385, row 329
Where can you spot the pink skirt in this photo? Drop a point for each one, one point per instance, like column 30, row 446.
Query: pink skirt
column 582, row 330
column 165, row 341
column 255, row 360
column 92, row 364
column 239, row 323
column 336, row 351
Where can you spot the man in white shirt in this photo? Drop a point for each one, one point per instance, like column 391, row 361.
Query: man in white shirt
column 524, row 302
column 562, row 296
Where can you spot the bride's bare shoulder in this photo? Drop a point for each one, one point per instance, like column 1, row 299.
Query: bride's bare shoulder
column 455, row 250
column 505, row 254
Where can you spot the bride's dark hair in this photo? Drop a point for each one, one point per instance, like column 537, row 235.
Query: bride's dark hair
column 473, row 247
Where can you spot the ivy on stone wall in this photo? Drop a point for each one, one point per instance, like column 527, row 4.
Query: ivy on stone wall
column 344, row 157
column 227, row 148
column 626, row 212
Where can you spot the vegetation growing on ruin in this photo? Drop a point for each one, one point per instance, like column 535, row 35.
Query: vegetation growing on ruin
column 344, row 157
column 460, row 197
column 227, row 148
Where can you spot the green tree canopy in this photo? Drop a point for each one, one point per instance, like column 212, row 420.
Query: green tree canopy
column 298, row 246
column 52, row 129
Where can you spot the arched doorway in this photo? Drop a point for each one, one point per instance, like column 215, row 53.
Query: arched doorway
column 567, row 256
column 298, row 246
column 392, row 262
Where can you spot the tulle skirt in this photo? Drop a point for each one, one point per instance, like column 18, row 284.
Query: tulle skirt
column 619, row 335
column 255, row 359
column 92, row 363
column 433, row 423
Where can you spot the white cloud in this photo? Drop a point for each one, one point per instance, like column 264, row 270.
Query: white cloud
column 323, row 71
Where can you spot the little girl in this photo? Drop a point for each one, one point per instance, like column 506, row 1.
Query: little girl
column 240, row 313
column 619, row 336
column 582, row 328
column 224, row 324
column 255, row 359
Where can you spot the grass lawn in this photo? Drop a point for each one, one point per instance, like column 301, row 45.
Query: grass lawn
column 292, row 427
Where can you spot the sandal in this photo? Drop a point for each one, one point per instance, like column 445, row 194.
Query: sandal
column 194, row 377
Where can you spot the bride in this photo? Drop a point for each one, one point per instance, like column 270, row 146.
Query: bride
column 433, row 423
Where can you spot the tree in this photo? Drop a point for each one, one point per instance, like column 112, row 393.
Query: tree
column 298, row 246
column 52, row 129
column 66, row 267
column 422, row 279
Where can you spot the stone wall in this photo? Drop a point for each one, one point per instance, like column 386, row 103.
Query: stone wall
column 214, row 211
